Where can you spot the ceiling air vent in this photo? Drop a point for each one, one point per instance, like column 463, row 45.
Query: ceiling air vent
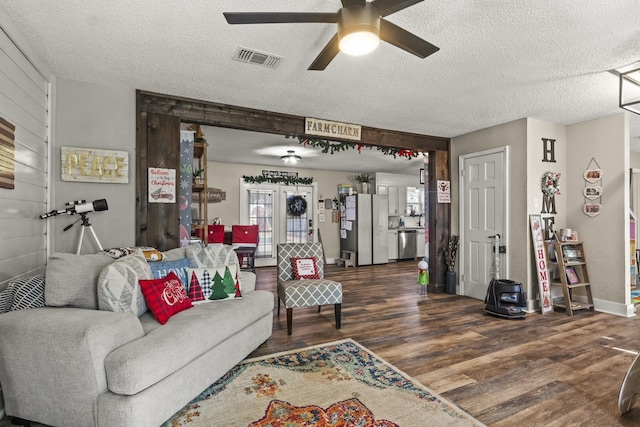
column 259, row 58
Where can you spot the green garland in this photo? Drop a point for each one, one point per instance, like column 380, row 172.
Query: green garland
column 336, row 147
column 286, row 180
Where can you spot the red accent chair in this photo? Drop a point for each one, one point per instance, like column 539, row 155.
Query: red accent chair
column 216, row 233
column 245, row 238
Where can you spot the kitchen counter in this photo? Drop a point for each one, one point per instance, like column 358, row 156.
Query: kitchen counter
column 407, row 228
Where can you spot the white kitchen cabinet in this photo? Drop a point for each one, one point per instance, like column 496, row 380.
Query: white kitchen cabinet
column 420, row 252
column 392, row 192
column 393, row 244
column 402, row 200
column 397, row 198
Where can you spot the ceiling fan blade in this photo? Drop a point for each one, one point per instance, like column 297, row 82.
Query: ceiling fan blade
column 278, row 17
column 387, row 7
column 347, row 3
column 326, row 56
column 399, row 37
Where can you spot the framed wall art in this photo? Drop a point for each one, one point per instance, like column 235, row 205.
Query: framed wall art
column 593, row 175
column 572, row 276
column 592, row 193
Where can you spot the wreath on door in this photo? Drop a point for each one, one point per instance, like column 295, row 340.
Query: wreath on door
column 296, row 205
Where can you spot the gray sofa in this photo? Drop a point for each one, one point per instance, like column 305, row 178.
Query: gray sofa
column 67, row 366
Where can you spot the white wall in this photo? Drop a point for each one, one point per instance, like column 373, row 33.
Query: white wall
column 605, row 236
column 536, row 130
column 513, row 135
column 25, row 86
column 100, row 117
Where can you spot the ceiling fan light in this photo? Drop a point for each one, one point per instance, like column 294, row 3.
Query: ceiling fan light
column 359, row 29
column 359, row 43
column 291, row 158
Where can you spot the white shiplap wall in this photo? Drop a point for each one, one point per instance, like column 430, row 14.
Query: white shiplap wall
column 25, row 86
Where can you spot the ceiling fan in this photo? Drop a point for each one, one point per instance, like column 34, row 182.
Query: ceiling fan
column 360, row 28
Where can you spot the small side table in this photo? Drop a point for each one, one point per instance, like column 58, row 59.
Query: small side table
column 247, row 258
column 348, row 259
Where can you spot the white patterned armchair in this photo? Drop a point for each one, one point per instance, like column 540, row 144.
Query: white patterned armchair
column 305, row 292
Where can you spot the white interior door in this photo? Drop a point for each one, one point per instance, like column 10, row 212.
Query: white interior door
column 482, row 215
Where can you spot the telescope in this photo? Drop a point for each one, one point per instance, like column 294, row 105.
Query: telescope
column 79, row 207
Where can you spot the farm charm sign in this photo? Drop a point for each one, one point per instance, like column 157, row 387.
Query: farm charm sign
column 332, row 129
column 92, row 165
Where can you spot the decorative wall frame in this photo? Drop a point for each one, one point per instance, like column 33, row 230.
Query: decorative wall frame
column 592, row 193
column 7, row 155
column 593, row 175
column 592, row 209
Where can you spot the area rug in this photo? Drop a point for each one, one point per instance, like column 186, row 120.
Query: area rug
column 336, row 384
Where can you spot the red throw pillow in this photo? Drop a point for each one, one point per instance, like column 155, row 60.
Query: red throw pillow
column 305, row 268
column 165, row 297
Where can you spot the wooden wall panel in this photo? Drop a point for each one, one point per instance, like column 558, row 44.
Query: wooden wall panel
column 160, row 223
column 438, row 230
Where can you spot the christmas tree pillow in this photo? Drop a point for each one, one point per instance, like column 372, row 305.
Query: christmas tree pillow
column 305, row 268
column 213, row 284
column 165, row 297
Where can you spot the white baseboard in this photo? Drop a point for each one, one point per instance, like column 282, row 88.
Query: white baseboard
column 617, row 309
column 624, row 310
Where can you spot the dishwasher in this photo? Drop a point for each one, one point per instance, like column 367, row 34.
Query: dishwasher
column 407, row 244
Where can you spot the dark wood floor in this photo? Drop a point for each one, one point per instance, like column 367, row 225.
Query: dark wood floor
column 549, row 370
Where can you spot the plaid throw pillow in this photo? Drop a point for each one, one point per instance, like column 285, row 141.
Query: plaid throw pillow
column 305, row 268
column 165, row 297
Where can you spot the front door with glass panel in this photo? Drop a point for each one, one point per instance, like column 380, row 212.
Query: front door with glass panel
column 261, row 212
column 298, row 214
column 283, row 213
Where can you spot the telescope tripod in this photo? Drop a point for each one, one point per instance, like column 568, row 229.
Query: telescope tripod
column 85, row 224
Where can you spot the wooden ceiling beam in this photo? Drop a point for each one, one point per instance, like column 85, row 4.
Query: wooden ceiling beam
column 229, row 116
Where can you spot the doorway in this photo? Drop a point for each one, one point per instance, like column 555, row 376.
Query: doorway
column 283, row 213
column 483, row 214
column 158, row 230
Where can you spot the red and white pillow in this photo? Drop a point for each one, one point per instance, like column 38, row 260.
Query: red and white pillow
column 305, row 268
column 165, row 297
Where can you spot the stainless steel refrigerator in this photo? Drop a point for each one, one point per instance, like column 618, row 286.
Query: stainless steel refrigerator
column 364, row 221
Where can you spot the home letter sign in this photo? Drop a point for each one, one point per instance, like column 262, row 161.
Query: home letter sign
column 548, row 149
column 546, row 303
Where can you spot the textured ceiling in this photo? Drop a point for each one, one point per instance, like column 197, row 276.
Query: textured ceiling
column 498, row 61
